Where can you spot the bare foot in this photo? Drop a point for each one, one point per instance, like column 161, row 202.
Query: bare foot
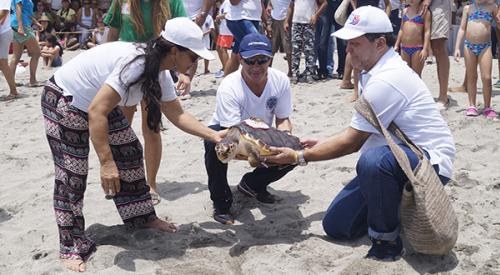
column 459, row 89
column 352, row 98
column 162, row 225
column 346, row 85
column 74, row 265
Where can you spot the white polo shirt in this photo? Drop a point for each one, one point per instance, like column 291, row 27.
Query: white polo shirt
column 236, row 102
column 246, row 9
column 396, row 93
column 85, row 74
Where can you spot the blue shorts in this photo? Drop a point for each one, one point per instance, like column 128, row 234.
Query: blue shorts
column 240, row 28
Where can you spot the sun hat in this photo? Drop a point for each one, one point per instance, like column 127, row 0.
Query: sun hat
column 254, row 44
column 44, row 18
column 184, row 32
column 363, row 20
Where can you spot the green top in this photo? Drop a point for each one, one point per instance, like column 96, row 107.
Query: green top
column 122, row 21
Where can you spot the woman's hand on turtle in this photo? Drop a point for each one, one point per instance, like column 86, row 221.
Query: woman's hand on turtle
column 110, row 178
column 309, row 142
column 281, row 155
column 218, row 136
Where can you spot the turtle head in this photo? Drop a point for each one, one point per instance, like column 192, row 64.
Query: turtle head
column 226, row 150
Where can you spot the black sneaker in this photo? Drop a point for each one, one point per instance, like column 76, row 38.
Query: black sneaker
column 386, row 250
column 264, row 197
column 223, row 216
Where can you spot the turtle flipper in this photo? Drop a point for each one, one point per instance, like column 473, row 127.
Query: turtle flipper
column 253, row 156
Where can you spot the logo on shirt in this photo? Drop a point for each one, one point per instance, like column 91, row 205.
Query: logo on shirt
column 271, row 103
column 354, row 19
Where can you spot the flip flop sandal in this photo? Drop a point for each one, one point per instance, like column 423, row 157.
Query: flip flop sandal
column 9, row 97
column 489, row 113
column 471, row 111
column 155, row 198
column 347, row 87
column 36, row 84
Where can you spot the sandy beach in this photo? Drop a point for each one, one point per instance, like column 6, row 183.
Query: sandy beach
column 285, row 238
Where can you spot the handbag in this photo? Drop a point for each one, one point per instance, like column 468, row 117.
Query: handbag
column 427, row 216
column 340, row 15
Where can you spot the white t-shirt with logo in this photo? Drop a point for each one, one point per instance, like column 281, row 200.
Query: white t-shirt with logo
column 280, row 8
column 85, row 74
column 236, row 102
column 193, row 7
column 5, row 26
column 396, row 93
column 224, row 9
column 303, row 10
column 246, row 9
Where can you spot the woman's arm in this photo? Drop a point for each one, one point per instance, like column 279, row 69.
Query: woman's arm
column 113, row 34
column 102, row 104
column 19, row 16
column 284, row 124
column 186, row 122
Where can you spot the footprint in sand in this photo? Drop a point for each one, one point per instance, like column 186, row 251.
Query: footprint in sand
column 462, row 180
column 40, row 255
column 4, row 215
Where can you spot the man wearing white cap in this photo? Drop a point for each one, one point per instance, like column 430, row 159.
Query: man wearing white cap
column 370, row 202
column 83, row 100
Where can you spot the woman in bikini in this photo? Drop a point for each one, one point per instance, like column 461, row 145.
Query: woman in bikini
column 476, row 24
column 414, row 37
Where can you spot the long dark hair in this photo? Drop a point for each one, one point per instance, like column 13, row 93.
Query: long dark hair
column 154, row 51
column 52, row 39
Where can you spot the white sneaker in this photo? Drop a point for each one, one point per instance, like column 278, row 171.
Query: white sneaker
column 219, row 74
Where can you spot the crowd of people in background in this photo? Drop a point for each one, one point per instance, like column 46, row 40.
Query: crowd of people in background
column 426, row 31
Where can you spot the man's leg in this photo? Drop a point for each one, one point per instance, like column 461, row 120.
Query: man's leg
column 381, row 184
column 220, row 193
column 255, row 183
column 443, row 67
column 326, row 27
column 345, row 218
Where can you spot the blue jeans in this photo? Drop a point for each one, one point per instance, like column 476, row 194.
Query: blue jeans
column 240, row 28
column 395, row 21
column 370, row 202
column 323, row 31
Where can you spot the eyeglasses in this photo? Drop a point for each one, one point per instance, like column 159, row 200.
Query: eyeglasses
column 258, row 61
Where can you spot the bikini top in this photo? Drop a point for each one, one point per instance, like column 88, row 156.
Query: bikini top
column 481, row 15
column 419, row 20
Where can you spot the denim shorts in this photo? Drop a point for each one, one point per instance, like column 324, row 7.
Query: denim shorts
column 240, row 28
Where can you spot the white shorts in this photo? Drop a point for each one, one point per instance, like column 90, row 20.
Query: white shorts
column 5, row 39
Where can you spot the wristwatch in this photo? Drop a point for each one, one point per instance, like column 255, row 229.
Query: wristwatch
column 300, row 157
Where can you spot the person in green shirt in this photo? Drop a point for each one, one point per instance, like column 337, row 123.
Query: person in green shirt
column 140, row 21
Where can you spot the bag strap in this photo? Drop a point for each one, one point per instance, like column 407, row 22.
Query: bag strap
column 363, row 107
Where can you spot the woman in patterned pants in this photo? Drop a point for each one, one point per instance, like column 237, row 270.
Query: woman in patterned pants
column 82, row 100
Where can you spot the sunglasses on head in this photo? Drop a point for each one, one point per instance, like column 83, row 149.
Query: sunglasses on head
column 258, row 61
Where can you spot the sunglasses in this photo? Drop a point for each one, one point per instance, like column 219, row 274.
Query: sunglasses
column 259, row 61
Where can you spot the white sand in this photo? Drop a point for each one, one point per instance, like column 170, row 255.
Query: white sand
column 278, row 239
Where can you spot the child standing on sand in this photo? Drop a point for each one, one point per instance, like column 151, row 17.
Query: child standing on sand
column 476, row 24
column 414, row 37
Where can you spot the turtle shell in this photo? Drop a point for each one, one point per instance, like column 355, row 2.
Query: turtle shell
column 260, row 133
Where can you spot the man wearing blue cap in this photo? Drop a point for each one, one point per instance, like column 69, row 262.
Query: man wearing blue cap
column 253, row 91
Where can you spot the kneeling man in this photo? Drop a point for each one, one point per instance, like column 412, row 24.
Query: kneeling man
column 370, row 202
column 253, row 91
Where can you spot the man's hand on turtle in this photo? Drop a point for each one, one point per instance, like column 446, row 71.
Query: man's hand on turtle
column 281, row 155
column 309, row 142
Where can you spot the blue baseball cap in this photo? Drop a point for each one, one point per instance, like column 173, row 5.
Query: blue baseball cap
column 254, row 44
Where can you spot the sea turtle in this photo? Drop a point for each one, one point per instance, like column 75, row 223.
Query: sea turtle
column 251, row 139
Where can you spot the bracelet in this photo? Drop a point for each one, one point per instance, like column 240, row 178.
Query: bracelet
column 296, row 160
column 301, row 160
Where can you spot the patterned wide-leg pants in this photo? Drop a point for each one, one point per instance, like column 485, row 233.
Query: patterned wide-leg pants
column 302, row 42
column 67, row 132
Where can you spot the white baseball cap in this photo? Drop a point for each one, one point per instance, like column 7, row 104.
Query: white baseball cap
column 184, row 32
column 363, row 20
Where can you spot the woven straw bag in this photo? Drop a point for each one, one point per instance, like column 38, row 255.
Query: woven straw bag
column 340, row 15
column 427, row 216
